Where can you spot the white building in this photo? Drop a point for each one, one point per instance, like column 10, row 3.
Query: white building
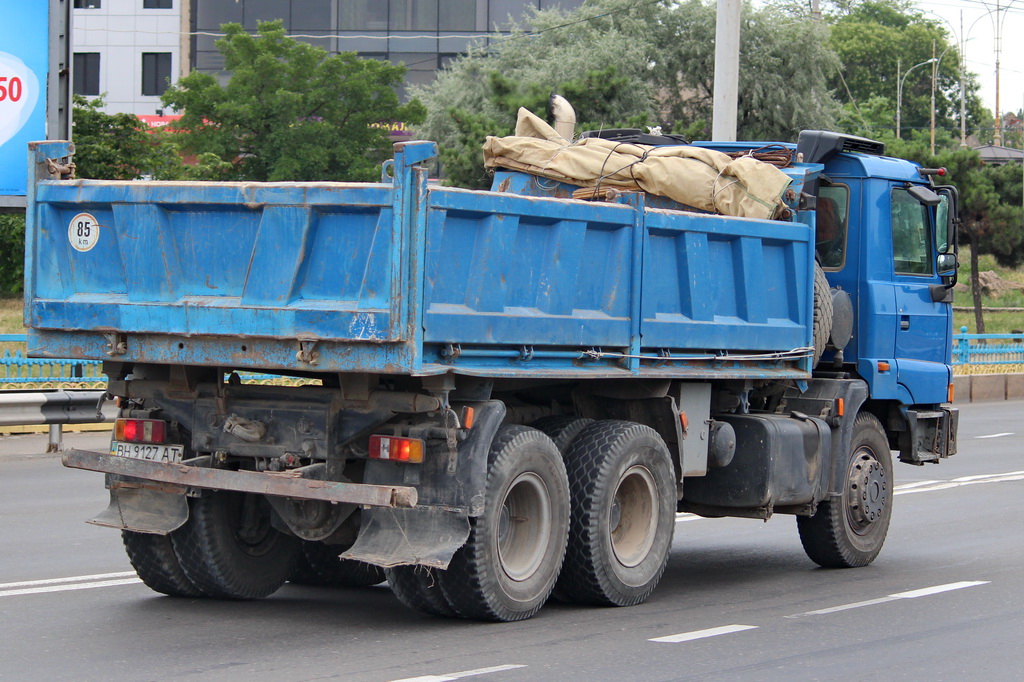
column 128, row 51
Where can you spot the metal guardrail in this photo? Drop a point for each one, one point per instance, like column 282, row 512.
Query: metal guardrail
column 987, row 349
column 55, row 408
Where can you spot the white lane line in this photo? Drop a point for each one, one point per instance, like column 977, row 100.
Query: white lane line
column 701, row 634
column 916, row 484
column 70, row 587
column 958, row 482
column 459, row 676
column 995, row 435
column 72, row 579
column 912, row 594
column 682, row 517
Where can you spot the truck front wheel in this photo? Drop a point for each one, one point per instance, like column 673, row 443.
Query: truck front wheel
column 848, row 530
column 622, row 484
column 229, row 549
column 508, row 566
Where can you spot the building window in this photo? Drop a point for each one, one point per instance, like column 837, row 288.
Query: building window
column 87, row 73
column 87, row 4
column 413, row 15
column 363, row 15
column 157, row 4
column 457, row 15
column 156, row 72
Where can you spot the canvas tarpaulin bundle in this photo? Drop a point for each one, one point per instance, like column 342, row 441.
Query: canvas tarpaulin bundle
column 705, row 179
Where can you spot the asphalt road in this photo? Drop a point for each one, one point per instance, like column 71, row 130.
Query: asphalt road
column 739, row 601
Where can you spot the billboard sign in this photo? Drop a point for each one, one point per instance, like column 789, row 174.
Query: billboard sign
column 24, row 66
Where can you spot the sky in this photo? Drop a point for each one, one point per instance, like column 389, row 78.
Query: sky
column 979, row 26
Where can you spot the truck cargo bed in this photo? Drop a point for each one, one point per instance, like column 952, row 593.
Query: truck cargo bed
column 406, row 277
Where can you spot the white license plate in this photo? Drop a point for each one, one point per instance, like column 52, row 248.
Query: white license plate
column 149, row 451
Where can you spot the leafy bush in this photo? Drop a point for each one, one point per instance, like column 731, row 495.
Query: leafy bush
column 12, row 253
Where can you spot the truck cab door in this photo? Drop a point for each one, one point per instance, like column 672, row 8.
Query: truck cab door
column 923, row 325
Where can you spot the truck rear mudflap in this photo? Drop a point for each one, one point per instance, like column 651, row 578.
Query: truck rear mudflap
column 150, row 497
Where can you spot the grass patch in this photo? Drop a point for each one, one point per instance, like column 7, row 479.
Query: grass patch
column 12, row 315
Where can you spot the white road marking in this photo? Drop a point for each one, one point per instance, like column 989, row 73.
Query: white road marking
column 915, row 484
column 69, row 587
column 72, row 579
column 913, row 594
column 683, row 517
column 459, row 676
column 995, row 435
column 701, row 634
column 957, row 482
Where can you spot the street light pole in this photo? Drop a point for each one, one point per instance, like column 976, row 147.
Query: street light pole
column 998, row 15
column 935, row 73
column 963, row 37
column 899, row 90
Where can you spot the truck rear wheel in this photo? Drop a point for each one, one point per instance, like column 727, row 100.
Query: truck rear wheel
column 153, row 558
column 508, row 566
column 229, row 549
column 848, row 531
column 561, row 429
column 319, row 564
column 418, row 588
column 621, row 480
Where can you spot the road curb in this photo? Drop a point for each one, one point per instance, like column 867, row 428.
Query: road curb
column 980, row 388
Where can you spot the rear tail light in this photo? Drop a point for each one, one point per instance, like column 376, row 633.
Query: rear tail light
column 140, row 430
column 397, row 449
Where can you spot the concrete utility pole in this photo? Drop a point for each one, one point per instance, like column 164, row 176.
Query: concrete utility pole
column 727, row 70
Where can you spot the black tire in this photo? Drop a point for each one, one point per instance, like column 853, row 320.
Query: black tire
column 508, row 566
column 229, row 549
column 153, row 558
column 623, row 492
column 849, row 530
column 822, row 313
column 418, row 588
column 320, row 565
column 561, row 429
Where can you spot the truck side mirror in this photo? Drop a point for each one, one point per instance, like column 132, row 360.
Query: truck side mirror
column 946, row 264
column 924, row 195
column 946, row 218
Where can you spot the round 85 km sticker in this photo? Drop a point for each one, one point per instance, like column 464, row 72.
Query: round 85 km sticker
column 83, row 232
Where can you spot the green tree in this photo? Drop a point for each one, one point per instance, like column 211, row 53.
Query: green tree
column 114, row 146
column 878, row 43
column 291, row 111
column 12, row 253
column 121, row 147
column 785, row 67
column 622, row 63
column 990, row 211
column 598, row 57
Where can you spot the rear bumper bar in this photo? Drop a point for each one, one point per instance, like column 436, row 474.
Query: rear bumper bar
column 282, row 484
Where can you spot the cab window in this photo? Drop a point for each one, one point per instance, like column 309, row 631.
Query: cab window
column 830, row 233
column 910, row 237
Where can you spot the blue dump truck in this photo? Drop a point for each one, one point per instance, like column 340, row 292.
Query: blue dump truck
column 489, row 398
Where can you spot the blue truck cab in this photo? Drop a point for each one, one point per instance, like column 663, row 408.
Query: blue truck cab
column 482, row 396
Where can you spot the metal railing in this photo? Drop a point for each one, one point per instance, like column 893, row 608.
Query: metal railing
column 15, row 368
column 987, row 349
